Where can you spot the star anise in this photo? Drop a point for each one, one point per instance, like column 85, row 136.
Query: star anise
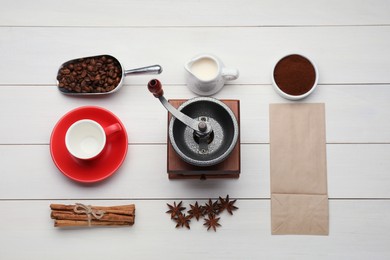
column 212, row 222
column 227, row 204
column 196, row 211
column 175, row 210
column 183, row 220
column 211, row 208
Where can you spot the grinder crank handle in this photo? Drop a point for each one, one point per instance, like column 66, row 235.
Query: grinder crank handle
column 154, row 86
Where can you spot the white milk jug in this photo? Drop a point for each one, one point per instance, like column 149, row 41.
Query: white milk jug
column 206, row 74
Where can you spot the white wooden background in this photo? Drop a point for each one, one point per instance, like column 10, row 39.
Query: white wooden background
column 349, row 41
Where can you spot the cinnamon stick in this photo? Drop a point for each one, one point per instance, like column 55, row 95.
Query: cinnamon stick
column 79, row 223
column 67, row 215
column 123, row 210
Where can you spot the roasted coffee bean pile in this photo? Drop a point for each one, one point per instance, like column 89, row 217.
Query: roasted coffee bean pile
column 90, row 75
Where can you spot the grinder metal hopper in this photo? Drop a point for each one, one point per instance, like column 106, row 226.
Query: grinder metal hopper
column 203, row 131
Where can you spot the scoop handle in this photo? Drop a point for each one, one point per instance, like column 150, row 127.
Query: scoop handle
column 154, row 69
column 155, row 87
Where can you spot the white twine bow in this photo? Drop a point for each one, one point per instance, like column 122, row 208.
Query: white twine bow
column 87, row 209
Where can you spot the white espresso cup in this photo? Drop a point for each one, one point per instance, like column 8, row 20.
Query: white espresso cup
column 206, row 74
column 85, row 139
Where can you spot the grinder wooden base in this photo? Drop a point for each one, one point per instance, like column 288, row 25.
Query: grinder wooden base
column 229, row 168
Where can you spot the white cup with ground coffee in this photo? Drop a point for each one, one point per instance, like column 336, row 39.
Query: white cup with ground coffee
column 206, row 74
column 294, row 76
column 85, row 139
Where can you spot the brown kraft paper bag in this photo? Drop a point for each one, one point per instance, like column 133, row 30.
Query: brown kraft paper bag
column 299, row 196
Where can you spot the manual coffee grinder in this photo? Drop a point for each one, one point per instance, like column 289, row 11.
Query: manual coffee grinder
column 203, row 136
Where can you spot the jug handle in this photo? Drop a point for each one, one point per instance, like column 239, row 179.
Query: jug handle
column 230, row 74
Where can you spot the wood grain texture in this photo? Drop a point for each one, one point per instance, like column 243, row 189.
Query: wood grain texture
column 354, row 171
column 354, row 113
column 357, row 230
column 194, row 13
column 348, row 40
column 343, row 55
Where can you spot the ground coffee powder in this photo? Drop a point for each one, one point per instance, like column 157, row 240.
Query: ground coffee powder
column 295, row 75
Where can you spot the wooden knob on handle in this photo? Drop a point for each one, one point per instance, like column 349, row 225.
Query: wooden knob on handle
column 155, row 88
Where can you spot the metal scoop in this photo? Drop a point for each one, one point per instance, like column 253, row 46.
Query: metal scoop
column 87, row 88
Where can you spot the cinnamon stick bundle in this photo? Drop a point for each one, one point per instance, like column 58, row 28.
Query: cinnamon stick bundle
column 80, row 215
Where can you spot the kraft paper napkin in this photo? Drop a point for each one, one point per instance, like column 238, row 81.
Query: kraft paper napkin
column 299, row 199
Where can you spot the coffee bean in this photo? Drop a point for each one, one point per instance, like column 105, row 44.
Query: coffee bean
column 66, row 71
column 90, row 75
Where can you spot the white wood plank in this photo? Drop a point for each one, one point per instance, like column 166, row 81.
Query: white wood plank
column 137, row 178
column 343, row 54
column 357, row 113
column 193, row 13
column 354, row 171
column 358, row 171
column 358, row 230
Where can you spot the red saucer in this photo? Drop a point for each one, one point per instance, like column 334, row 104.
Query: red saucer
column 110, row 159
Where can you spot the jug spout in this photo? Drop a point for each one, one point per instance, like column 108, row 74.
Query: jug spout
column 188, row 66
